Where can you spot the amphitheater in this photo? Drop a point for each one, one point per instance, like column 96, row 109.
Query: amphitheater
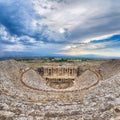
column 55, row 91
column 60, row 78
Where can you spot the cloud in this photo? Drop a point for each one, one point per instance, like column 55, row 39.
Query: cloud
column 68, row 26
column 107, row 48
column 84, row 20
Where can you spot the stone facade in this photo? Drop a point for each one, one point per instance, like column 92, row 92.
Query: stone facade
column 59, row 76
column 59, row 72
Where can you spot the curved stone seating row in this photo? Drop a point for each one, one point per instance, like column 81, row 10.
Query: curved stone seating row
column 33, row 80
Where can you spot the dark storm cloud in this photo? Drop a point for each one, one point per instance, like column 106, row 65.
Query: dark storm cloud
column 16, row 15
column 107, row 24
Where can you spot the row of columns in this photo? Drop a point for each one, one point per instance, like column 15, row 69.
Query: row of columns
column 60, row 71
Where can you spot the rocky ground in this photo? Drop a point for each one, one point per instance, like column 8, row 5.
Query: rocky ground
column 20, row 102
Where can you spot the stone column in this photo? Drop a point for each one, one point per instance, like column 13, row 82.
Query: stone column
column 68, row 71
column 52, row 71
column 62, row 71
column 72, row 71
column 57, row 71
column 48, row 71
column 44, row 71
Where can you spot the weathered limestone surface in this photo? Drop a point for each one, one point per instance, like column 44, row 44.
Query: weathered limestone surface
column 19, row 102
column 35, row 81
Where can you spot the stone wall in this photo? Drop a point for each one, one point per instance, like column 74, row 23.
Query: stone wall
column 58, row 71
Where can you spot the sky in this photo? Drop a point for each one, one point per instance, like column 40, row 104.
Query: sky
column 60, row 28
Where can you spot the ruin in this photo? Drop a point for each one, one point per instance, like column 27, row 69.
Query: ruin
column 59, row 76
column 26, row 96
